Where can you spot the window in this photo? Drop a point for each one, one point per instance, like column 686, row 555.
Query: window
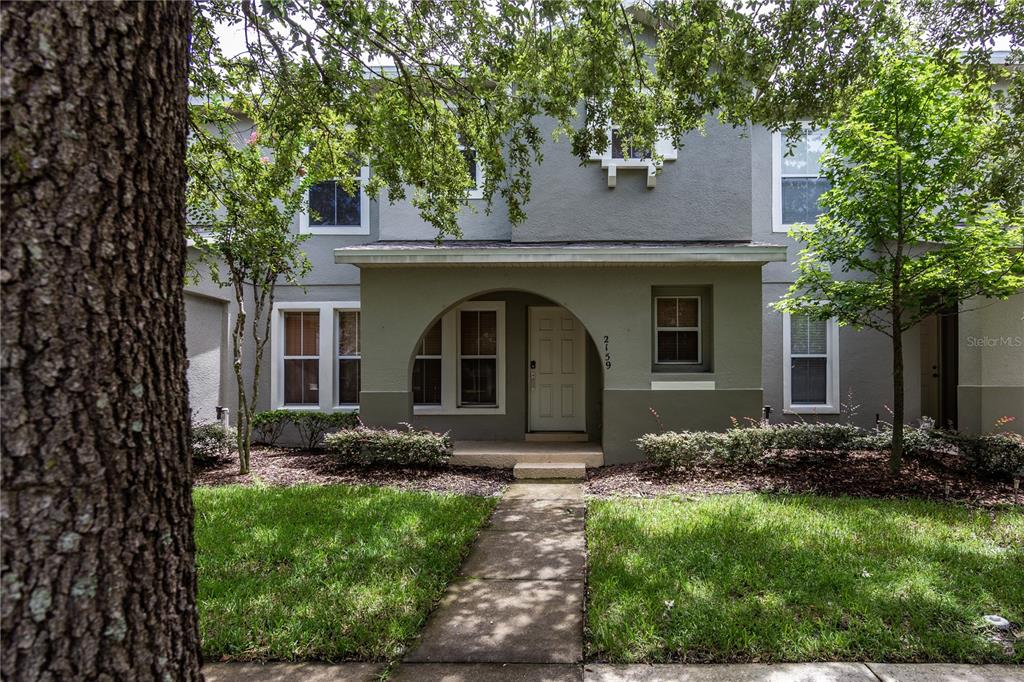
column 478, row 358
column 621, row 155
column 629, row 152
column 476, row 173
column 302, row 358
column 459, row 364
column 315, row 345
column 677, row 330
column 811, row 383
column 348, row 357
column 426, row 370
column 332, row 210
column 799, row 185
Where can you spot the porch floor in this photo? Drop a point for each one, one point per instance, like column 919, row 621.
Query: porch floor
column 506, row 454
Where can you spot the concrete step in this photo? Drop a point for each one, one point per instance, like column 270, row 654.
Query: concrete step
column 550, row 470
column 557, row 437
column 509, row 460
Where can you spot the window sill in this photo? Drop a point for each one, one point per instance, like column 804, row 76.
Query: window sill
column 345, row 408
column 811, row 409
column 682, row 385
column 337, row 230
column 441, row 410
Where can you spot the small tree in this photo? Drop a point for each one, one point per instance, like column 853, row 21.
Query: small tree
column 250, row 163
column 909, row 220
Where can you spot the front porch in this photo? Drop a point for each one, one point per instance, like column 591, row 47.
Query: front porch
column 531, row 459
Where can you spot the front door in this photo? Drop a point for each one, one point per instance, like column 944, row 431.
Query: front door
column 557, row 370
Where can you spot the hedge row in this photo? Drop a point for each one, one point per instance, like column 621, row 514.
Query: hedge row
column 1000, row 454
column 312, row 425
column 391, row 446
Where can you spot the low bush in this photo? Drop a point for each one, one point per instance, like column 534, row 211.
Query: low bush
column 391, row 446
column 994, row 454
column 212, row 441
column 269, row 425
column 814, row 437
column 313, row 425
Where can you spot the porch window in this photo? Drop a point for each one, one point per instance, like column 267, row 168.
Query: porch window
column 302, row 358
column 812, row 377
column 426, row 370
column 348, row 357
column 677, row 330
column 478, row 358
column 799, row 184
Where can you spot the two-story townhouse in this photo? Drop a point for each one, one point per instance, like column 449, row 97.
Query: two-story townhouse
column 628, row 302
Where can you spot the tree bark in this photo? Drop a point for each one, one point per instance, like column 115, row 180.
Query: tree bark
column 896, row 453
column 98, row 563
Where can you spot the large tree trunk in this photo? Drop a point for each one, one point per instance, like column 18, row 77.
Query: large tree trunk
column 98, row 562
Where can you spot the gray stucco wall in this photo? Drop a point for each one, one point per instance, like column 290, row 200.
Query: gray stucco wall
column 705, row 194
column 612, row 302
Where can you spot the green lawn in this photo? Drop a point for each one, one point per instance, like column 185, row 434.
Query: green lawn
column 324, row 572
column 777, row 578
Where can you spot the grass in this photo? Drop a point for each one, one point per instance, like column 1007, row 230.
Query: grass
column 770, row 578
column 324, row 572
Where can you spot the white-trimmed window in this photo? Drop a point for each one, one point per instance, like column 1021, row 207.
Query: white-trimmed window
column 427, row 382
column 475, row 170
column 811, row 369
column 301, row 360
column 332, row 210
column 315, row 355
column 677, row 330
column 621, row 155
column 459, row 366
column 478, row 358
column 798, row 184
column 349, row 363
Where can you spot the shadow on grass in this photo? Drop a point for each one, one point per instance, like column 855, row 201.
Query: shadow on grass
column 767, row 578
column 324, row 572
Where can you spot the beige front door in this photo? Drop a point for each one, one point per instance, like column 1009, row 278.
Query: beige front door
column 557, row 370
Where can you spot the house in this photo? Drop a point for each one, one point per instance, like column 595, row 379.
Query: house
column 632, row 299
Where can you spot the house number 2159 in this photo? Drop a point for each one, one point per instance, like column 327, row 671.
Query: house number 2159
column 607, row 355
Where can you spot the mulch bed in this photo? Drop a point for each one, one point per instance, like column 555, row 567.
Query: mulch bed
column 279, row 466
column 856, row 474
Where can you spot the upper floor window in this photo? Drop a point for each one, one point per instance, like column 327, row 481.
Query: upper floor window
column 798, row 181
column 811, row 381
column 621, row 154
column 476, row 172
column 333, row 210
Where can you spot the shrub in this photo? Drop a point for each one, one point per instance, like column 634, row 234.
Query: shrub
column 211, row 441
column 814, row 437
column 312, row 425
column 998, row 454
column 269, row 425
column 391, row 446
column 679, row 450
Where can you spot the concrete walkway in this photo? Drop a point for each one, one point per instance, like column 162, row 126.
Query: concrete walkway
column 519, row 597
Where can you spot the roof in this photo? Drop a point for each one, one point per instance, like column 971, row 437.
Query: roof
column 505, row 252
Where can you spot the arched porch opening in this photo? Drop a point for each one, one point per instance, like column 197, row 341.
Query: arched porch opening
column 507, row 364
